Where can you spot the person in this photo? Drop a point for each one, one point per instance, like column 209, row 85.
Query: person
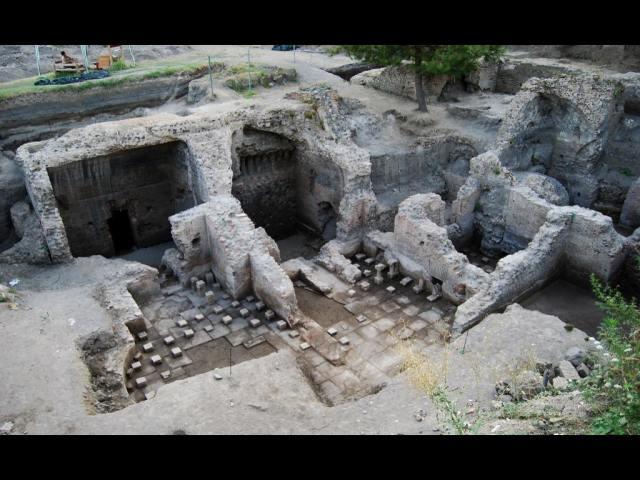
column 66, row 59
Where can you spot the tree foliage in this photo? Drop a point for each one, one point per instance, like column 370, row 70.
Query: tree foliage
column 452, row 60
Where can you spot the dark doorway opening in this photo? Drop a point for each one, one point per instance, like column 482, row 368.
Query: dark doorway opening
column 121, row 231
column 327, row 218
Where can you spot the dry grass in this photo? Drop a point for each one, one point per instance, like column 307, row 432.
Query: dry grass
column 430, row 376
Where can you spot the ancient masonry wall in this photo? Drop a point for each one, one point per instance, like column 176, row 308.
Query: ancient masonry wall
column 518, row 274
column 424, row 250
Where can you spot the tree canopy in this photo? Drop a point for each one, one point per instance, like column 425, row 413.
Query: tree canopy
column 453, row 60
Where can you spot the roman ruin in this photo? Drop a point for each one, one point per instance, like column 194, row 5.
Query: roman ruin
column 247, row 257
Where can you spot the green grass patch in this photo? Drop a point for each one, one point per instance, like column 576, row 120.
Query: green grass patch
column 139, row 73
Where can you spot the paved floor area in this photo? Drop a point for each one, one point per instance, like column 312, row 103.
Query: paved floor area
column 192, row 333
column 379, row 318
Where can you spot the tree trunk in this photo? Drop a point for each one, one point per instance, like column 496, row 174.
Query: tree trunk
column 422, row 101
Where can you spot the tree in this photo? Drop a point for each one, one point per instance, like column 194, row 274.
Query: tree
column 453, row 60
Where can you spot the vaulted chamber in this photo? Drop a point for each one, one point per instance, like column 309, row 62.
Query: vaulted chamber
column 114, row 203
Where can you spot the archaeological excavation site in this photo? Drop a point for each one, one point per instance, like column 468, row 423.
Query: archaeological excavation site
column 305, row 239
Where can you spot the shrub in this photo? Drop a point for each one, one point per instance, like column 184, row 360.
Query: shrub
column 118, row 65
column 615, row 382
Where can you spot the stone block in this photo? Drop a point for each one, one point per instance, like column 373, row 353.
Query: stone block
column 391, row 289
column 269, row 315
column 141, row 382
column 575, row 355
column 168, row 340
column 227, row 319
column 406, row 281
column 217, row 376
column 304, row 346
column 176, row 352
column 351, row 292
column 238, row 337
column 360, row 256
column 254, row 341
column 281, row 324
column 198, row 317
column 218, row 309
column 165, row 375
column 208, row 328
column 235, row 304
column 250, row 298
column 147, row 347
column 364, row 285
column 143, row 336
column 583, row 370
column 344, row 341
column 568, row 371
column 211, row 297
column 136, row 366
column 332, row 331
column 260, row 306
column 411, row 311
column 361, row 318
column 156, row 359
column 181, row 323
column 189, row 333
column 244, row 313
column 254, row 323
column 431, row 316
column 560, row 383
column 200, row 287
column 369, row 261
column 294, row 334
column 367, row 272
column 403, row 300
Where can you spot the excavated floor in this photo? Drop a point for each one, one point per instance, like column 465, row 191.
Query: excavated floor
column 370, row 323
column 213, row 344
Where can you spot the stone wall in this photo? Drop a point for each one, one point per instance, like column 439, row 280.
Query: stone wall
column 401, row 81
column 424, row 250
column 148, row 184
column 518, row 274
column 560, row 126
column 331, row 175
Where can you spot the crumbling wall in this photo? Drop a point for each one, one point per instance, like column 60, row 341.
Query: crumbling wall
column 400, row 80
column 559, row 126
column 32, row 247
column 273, row 286
column 13, row 190
column 424, row 251
column 517, row 274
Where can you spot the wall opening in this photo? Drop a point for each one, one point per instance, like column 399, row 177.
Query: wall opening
column 114, row 203
column 121, row 232
column 287, row 189
column 328, row 219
